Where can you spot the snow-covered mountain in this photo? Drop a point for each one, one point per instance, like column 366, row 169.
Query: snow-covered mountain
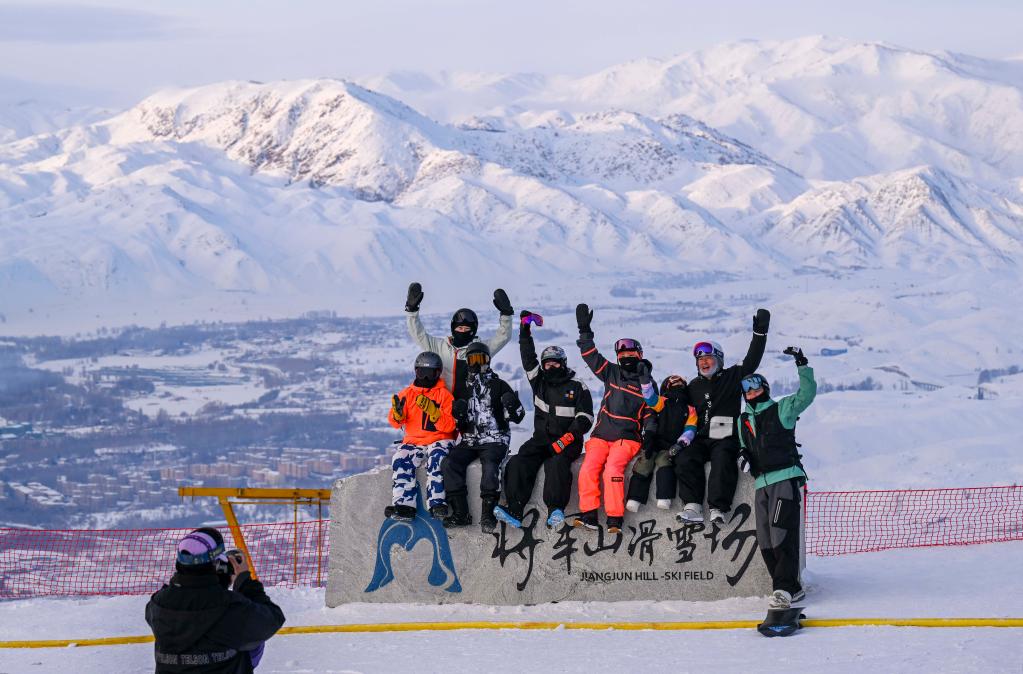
column 312, row 188
column 827, row 107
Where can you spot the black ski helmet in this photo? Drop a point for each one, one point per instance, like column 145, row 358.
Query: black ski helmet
column 477, row 356
column 672, row 381
column 465, row 317
column 755, row 381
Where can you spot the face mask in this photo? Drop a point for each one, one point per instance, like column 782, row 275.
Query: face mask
column 426, row 378
column 629, row 363
column 676, row 393
column 762, row 398
column 461, row 339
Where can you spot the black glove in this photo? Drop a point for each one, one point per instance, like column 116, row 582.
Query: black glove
column 510, row 401
column 649, row 447
column 762, row 321
column 796, row 353
column 502, row 302
column 524, row 325
column 643, row 370
column 583, row 316
column 460, row 409
column 674, row 449
column 415, row 297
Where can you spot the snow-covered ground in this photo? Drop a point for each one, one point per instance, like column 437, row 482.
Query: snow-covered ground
column 967, row 582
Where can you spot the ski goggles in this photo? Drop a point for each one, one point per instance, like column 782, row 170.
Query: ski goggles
column 703, row 349
column 627, row 344
column 477, row 359
column 752, row 383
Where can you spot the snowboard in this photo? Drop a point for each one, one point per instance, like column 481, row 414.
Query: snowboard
column 782, row 622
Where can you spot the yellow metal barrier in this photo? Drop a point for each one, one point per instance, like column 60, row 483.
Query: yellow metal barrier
column 551, row 625
column 292, row 497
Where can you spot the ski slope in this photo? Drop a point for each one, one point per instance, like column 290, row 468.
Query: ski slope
column 977, row 581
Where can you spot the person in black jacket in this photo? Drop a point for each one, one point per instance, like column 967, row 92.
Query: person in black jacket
column 202, row 626
column 716, row 394
column 563, row 413
column 626, row 412
column 483, row 421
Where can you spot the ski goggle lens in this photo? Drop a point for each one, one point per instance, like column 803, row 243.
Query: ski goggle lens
column 703, row 349
column 627, row 345
column 752, row 382
column 477, row 359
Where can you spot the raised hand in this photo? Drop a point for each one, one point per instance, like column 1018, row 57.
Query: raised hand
column 502, row 302
column 398, row 408
column 583, row 317
column 796, row 353
column 761, row 321
column 415, row 297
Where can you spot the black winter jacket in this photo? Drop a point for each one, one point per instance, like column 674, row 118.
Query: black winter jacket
column 624, row 412
column 719, row 397
column 201, row 627
column 565, row 406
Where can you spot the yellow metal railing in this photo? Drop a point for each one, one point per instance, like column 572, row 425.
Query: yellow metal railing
column 259, row 496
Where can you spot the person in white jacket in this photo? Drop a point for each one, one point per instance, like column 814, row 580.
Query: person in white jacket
column 464, row 324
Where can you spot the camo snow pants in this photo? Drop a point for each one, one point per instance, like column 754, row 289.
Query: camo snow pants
column 403, row 473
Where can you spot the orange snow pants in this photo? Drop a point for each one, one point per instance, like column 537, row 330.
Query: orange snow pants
column 609, row 459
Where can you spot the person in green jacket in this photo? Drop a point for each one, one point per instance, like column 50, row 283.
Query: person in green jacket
column 767, row 441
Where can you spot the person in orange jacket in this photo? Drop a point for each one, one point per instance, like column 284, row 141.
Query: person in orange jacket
column 423, row 410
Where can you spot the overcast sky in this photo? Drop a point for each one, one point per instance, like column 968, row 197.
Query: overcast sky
column 129, row 49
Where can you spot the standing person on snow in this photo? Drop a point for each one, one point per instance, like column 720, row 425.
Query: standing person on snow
column 202, row 626
column 767, row 436
column 675, row 425
column 423, row 410
column 626, row 412
column 483, row 420
column 463, row 333
column 563, row 413
column 716, row 395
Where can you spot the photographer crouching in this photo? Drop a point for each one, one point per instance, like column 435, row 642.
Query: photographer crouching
column 212, row 616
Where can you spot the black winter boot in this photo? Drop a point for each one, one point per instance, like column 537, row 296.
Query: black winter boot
column 401, row 513
column 459, row 517
column 488, row 522
column 587, row 519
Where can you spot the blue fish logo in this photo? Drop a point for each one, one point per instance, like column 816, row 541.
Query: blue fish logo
column 407, row 534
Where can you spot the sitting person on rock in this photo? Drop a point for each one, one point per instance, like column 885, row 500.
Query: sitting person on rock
column 562, row 415
column 423, row 411
column 716, row 394
column 483, row 420
column 464, row 324
column 627, row 409
column 675, row 427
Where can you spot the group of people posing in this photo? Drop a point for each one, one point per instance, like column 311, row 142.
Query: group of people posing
column 457, row 410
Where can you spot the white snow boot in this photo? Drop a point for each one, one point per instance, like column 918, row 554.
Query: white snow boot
column 664, row 503
column 692, row 512
column 632, row 505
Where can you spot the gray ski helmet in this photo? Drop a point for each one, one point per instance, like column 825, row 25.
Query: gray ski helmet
column 465, row 317
column 554, row 353
column 428, row 359
column 709, row 349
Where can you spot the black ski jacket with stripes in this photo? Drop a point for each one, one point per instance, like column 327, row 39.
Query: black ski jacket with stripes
column 624, row 412
column 564, row 406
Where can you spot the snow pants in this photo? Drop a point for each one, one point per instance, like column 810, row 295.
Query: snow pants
column 719, row 487
column 407, row 458
column 777, row 508
column 490, row 454
column 522, row 468
column 659, row 470
column 608, row 460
